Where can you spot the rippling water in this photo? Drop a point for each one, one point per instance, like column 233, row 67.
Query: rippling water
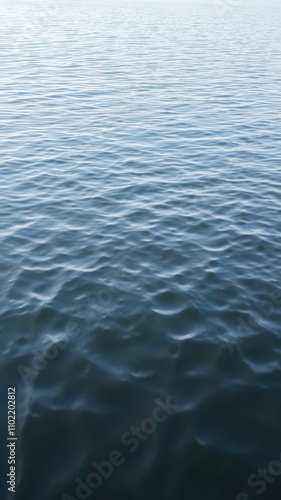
column 140, row 235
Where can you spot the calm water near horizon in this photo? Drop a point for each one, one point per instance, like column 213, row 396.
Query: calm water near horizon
column 140, row 178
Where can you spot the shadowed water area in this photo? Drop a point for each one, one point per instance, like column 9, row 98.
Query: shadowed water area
column 140, row 175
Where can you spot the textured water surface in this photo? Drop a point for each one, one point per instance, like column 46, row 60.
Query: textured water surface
column 140, row 206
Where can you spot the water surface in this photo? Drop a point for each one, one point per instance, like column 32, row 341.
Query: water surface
column 140, row 233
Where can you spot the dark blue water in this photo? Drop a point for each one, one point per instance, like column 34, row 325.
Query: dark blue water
column 140, row 175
